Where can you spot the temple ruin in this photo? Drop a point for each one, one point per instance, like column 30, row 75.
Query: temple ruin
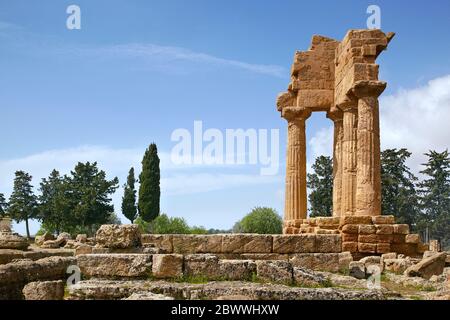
column 341, row 79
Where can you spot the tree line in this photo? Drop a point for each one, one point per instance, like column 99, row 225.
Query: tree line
column 81, row 201
column 423, row 204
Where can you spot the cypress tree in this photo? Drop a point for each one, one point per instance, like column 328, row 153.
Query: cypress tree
column 149, row 189
column 435, row 196
column 129, row 208
column 3, row 205
column 23, row 203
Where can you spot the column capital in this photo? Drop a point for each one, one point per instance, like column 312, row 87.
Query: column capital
column 335, row 114
column 295, row 113
column 368, row 88
column 285, row 99
column 348, row 106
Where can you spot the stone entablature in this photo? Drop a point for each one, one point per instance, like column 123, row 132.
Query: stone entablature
column 340, row 78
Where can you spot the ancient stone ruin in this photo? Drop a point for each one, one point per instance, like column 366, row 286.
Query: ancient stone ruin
column 314, row 259
column 341, row 79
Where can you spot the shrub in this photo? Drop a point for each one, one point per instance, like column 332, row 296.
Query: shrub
column 164, row 224
column 260, row 220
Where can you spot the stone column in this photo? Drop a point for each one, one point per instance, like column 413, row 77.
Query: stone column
column 368, row 176
column 295, row 199
column 337, row 116
column 349, row 124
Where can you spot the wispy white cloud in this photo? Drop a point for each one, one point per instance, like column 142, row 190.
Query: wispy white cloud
column 176, row 179
column 166, row 56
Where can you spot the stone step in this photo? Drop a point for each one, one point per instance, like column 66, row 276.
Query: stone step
column 113, row 289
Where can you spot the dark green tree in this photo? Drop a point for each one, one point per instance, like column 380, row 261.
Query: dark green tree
column 90, row 194
column 398, row 187
column 435, row 197
column 129, row 208
column 149, row 189
column 3, row 205
column 260, row 220
column 321, row 185
column 23, row 202
column 55, row 206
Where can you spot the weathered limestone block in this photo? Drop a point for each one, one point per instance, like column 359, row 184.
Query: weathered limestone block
column 83, row 249
column 82, row 238
column 383, row 247
column 51, row 268
column 326, row 231
column 367, row 229
column 114, row 265
column 202, row 264
column 383, row 219
column 328, row 243
column 307, row 278
column 332, row 222
column 301, row 243
column 39, row 240
column 385, row 238
column 367, row 247
column 274, row 271
column 252, row 256
column 167, row 265
column 8, row 255
column 349, row 237
column 10, row 240
column 246, row 243
column 316, row 261
column 397, row 265
column 148, row 296
column 62, row 238
column 190, row 244
column 357, row 270
column 389, row 255
column 350, row 228
column 355, row 220
column 386, row 229
column 44, row 290
column 401, row 228
column 13, row 276
column 160, row 241
column 428, row 267
column 51, row 244
column 118, row 236
column 368, row 238
column 372, row 264
column 412, row 238
column 350, row 246
column 234, row 270
column 344, row 260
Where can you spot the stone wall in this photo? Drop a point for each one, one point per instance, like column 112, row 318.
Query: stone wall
column 366, row 235
column 245, row 243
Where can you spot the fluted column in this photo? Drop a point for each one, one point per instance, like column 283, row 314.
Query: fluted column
column 349, row 141
column 368, row 176
column 337, row 116
column 295, row 199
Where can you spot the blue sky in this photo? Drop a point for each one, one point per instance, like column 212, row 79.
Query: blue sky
column 138, row 70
